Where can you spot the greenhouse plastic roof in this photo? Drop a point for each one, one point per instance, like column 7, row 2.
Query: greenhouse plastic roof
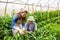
column 17, row 4
column 52, row 3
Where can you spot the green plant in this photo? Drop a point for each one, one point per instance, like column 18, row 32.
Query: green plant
column 47, row 29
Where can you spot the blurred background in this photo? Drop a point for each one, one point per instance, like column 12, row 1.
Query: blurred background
column 9, row 6
column 46, row 14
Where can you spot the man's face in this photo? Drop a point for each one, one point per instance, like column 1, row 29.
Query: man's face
column 30, row 22
column 23, row 14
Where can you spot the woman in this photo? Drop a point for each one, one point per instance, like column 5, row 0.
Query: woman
column 19, row 16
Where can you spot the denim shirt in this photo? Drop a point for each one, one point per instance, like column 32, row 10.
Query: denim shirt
column 15, row 18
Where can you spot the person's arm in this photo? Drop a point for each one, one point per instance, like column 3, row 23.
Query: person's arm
column 13, row 21
column 25, row 26
column 19, row 30
column 35, row 26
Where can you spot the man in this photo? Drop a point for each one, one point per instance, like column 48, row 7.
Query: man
column 31, row 25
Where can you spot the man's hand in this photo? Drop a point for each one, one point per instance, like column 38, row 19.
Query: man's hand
column 29, row 32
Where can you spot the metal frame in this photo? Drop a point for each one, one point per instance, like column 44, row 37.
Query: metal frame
column 26, row 4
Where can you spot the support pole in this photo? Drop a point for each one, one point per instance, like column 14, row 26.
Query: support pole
column 5, row 8
column 32, row 8
column 28, row 7
column 25, row 6
column 48, row 12
column 41, row 10
column 58, row 9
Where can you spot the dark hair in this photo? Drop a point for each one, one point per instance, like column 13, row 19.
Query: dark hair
column 23, row 19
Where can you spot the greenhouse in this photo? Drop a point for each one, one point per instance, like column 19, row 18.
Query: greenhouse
column 29, row 19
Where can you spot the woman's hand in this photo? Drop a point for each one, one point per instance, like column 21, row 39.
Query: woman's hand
column 21, row 32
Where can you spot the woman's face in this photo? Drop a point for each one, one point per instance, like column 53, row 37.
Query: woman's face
column 23, row 14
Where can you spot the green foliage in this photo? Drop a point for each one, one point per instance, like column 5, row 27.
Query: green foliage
column 5, row 29
column 55, row 28
column 47, row 29
column 44, row 16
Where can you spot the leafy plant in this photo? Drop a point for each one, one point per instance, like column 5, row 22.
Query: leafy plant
column 47, row 29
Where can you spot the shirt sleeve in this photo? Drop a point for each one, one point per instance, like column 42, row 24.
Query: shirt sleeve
column 14, row 20
column 16, row 28
column 35, row 26
column 25, row 28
